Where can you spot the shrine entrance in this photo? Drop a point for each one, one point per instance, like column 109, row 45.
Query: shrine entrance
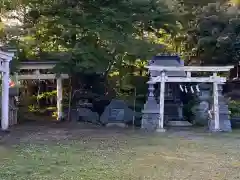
column 42, row 71
column 153, row 114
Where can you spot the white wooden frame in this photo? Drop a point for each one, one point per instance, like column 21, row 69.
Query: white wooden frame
column 38, row 76
column 215, row 79
column 5, row 59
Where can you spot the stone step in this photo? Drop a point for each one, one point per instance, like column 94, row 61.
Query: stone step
column 223, row 110
column 179, row 123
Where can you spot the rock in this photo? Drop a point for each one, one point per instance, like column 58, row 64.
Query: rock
column 73, row 114
column 87, row 115
column 122, row 125
column 201, row 113
column 117, row 112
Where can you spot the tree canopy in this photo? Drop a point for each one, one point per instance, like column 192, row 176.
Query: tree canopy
column 96, row 36
column 216, row 34
column 92, row 35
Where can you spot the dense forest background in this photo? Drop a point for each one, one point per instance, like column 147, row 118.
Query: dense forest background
column 104, row 36
column 113, row 39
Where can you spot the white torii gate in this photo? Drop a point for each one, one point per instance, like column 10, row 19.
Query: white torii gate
column 47, row 65
column 215, row 79
column 5, row 59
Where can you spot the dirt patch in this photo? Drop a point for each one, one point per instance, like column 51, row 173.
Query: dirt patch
column 52, row 132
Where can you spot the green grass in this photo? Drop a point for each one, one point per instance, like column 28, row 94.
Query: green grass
column 104, row 154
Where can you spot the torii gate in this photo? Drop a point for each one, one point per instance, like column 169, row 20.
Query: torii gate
column 5, row 59
column 215, row 79
column 37, row 75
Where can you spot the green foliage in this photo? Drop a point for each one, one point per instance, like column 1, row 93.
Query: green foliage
column 46, row 95
column 188, row 108
column 187, row 13
column 209, row 32
column 95, row 36
column 91, row 36
column 117, row 37
column 215, row 34
column 35, row 107
column 234, row 108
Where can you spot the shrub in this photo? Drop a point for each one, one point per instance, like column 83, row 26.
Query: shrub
column 234, row 108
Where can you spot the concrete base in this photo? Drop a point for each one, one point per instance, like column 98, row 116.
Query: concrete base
column 179, row 123
column 122, row 125
column 160, row 130
column 225, row 126
column 4, row 132
column 216, row 130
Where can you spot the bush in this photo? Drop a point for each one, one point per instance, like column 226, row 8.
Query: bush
column 234, row 108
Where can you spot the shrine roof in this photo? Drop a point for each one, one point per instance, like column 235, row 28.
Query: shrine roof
column 28, row 64
column 168, row 61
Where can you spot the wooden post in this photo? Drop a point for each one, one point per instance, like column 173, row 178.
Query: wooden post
column 59, row 98
column 215, row 104
column 5, row 96
column 161, row 103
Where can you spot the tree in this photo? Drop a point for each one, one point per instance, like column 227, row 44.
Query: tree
column 216, row 34
column 93, row 35
column 191, row 16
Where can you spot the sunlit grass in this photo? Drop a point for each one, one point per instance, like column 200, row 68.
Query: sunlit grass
column 123, row 156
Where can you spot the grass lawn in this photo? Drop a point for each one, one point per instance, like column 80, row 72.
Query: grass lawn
column 90, row 153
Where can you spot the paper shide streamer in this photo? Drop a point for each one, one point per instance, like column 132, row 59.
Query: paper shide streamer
column 192, row 88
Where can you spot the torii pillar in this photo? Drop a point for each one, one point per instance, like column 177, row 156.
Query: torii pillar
column 161, row 103
column 59, row 98
column 5, row 60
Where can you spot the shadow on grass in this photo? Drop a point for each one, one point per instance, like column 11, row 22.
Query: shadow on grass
column 70, row 151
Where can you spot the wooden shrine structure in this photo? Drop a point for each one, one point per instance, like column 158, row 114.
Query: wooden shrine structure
column 158, row 75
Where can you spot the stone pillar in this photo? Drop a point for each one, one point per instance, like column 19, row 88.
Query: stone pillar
column 150, row 113
column 224, row 117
